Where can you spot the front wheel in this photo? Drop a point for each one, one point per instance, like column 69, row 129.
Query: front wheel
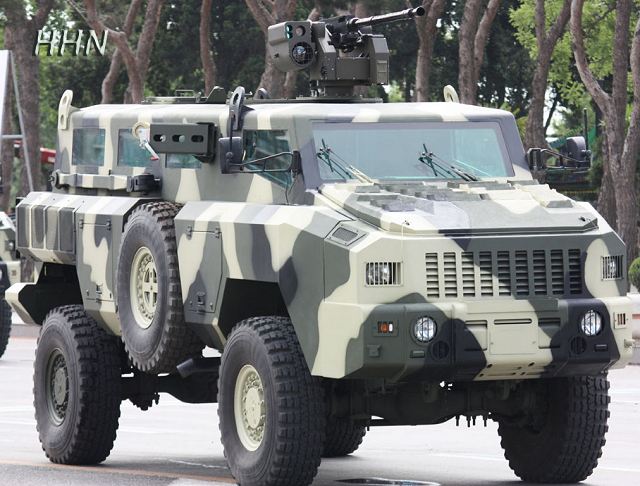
column 562, row 441
column 270, row 407
column 76, row 387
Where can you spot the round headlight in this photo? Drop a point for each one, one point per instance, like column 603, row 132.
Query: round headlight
column 425, row 329
column 591, row 323
column 378, row 274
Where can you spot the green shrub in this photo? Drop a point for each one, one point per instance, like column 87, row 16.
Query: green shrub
column 634, row 273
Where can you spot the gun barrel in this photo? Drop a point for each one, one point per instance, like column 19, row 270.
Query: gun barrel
column 407, row 14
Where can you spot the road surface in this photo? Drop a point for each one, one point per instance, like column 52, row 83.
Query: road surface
column 178, row 444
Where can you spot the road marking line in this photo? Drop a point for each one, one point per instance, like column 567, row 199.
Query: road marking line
column 618, row 469
column 501, row 459
column 122, row 471
column 30, row 423
column 208, row 466
column 19, row 408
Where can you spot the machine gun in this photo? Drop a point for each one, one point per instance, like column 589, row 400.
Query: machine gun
column 340, row 52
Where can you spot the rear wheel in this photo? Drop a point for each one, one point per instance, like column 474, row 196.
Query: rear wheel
column 343, row 436
column 5, row 325
column 149, row 296
column 562, row 441
column 76, row 387
column 270, row 407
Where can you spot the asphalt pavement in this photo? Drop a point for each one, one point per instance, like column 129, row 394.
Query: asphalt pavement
column 178, row 444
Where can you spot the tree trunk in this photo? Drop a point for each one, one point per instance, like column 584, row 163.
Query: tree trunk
column 546, row 42
column 266, row 13
column 272, row 79
column 109, row 81
column 535, row 133
column 466, row 37
column 136, row 64
column 426, row 27
column 623, row 145
column 147, row 36
column 473, row 37
column 206, row 55
column 607, row 196
column 7, row 149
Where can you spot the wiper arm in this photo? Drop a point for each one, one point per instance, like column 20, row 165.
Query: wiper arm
column 444, row 166
column 346, row 171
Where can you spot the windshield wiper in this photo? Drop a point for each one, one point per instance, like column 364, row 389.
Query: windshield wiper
column 345, row 170
column 435, row 162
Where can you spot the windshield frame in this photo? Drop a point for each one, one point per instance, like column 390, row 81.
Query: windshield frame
column 495, row 125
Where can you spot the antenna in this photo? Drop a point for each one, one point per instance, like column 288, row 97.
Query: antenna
column 585, row 126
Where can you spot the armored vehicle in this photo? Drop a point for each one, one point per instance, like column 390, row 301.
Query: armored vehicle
column 355, row 263
column 9, row 274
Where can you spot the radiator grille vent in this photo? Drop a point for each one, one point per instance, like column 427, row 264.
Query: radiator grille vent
column 518, row 273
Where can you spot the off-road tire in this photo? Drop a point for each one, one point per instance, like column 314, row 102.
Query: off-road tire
column 92, row 358
column 566, row 445
column 291, row 447
column 167, row 341
column 342, row 437
column 5, row 325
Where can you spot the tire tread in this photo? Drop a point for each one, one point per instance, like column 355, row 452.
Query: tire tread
column 178, row 342
column 99, row 390
column 301, row 423
column 576, row 446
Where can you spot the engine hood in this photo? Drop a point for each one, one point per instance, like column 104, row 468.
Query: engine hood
column 462, row 208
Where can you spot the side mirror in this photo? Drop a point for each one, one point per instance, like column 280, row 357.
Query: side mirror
column 230, row 153
column 576, row 149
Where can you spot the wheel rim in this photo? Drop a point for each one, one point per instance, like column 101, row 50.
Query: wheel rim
column 144, row 287
column 249, row 408
column 57, row 386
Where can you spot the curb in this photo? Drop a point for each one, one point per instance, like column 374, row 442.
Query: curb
column 21, row 330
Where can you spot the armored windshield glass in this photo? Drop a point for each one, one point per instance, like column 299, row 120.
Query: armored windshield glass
column 425, row 150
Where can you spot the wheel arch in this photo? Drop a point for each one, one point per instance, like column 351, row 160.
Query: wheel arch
column 242, row 299
column 57, row 285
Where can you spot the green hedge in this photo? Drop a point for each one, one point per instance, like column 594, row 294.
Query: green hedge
column 634, row 273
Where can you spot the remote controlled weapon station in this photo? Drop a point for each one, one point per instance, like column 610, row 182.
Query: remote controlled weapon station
column 340, row 52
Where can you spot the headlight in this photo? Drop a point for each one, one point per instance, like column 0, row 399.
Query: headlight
column 591, row 323
column 425, row 329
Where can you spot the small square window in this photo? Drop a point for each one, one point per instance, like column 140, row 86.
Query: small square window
column 182, row 161
column 263, row 143
column 130, row 154
column 88, row 146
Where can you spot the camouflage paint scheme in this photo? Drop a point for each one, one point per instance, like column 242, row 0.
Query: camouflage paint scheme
column 506, row 267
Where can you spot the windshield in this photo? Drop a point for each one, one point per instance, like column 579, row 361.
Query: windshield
column 445, row 150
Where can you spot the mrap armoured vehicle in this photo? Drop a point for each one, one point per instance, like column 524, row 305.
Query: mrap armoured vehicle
column 9, row 274
column 355, row 263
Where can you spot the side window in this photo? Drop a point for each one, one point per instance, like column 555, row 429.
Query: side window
column 88, row 146
column 262, row 143
column 182, row 161
column 130, row 154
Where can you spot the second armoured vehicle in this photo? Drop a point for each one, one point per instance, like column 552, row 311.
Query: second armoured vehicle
column 9, row 274
column 356, row 264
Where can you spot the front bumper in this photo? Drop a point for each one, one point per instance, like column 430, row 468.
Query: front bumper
column 476, row 340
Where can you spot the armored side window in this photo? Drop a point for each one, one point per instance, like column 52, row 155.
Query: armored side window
column 182, row 161
column 130, row 154
column 262, row 143
column 88, row 146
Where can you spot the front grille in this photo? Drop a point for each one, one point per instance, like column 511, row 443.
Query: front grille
column 507, row 273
